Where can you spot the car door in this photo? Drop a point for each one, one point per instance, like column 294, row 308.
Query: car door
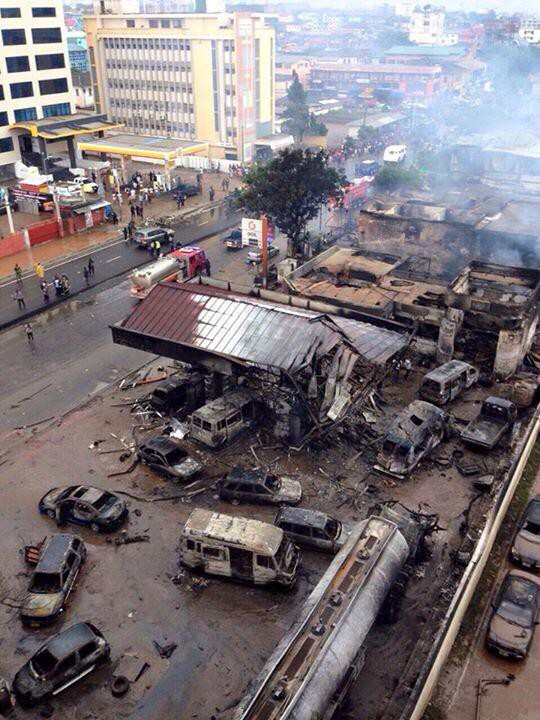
column 88, row 655
column 83, row 513
column 66, row 671
column 70, row 572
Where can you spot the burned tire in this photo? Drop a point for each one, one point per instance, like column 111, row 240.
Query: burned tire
column 119, row 686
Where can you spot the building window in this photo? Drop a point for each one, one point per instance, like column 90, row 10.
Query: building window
column 1, row 93
column 3, row 118
column 154, row 23
column 19, row 63
column 49, row 87
column 22, row 89
column 13, row 37
column 130, row 23
column 165, row 23
column 10, row 12
column 25, row 114
column 44, row 12
column 6, row 145
column 50, row 62
column 57, row 109
column 46, row 35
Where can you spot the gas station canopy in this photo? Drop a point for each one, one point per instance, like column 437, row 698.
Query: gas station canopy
column 64, row 126
column 134, row 146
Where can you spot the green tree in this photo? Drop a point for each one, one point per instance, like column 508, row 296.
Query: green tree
column 290, row 190
column 394, row 177
column 349, row 145
column 365, row 132
column 300, row 121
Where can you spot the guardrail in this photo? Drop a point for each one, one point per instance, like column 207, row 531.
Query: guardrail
column 445, row 638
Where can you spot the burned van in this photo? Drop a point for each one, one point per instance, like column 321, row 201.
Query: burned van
column 446, row 382
column 238, row 547
column 415, row 432
column 222, row 419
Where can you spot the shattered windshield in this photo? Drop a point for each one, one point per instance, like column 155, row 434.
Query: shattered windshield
column 104, row 502
column 45, row 583
column 43, row 662
column 272, row 482
column 393, row 448
column 517, row 603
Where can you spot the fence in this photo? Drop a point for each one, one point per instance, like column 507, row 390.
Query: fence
column 11, row 244
column 43, row 231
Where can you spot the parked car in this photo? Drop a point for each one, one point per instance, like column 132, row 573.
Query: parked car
column 312, row 529
column 187, row 189
column 53, row 579
column 100, row 510
column 414, row 433
column 515, row 612
column 526, row 547
column 175, row 392
column 448, row 381
column 61, row 661
column 495, row 419
column 254, row 257
column 165, row 455
column 259, row 486
column 144, row 236
column 233, row 241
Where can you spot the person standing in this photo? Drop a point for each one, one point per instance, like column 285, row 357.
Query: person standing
column 407, row 366
column 64, row 281
column 141, row 212
column 40, row 272
column 126, row 233
column 157, row 246
column 133, row 212
column 91, row 268
column 207, row 266
column 57, row 286
column 152, row 247
column 86, row 276
column 45, row 290
column 18, row 274
column 19, row 297
column 29, row 333
column 211, row 193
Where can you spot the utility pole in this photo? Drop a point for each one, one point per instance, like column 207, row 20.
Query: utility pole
column 264, row 248
column 5, row 197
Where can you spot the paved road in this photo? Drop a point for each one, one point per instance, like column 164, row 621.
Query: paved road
column 111, row 261
column 73, row 357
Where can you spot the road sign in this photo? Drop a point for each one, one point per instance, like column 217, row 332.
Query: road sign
column 252, row 232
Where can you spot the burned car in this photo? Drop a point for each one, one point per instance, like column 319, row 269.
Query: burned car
column 514, row 617
column 446, row 382
column 100, row 510
column 312, row 529
column 53, row 579
column 175, row 392
column 259, row 486
column 61, row 661
column 167, row 457
column 413, row 434
column 526, row 546
column 495, row 419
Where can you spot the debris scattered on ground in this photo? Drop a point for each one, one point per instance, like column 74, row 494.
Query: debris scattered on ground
column 176, row 429
column 165, row 651
column 128, row 539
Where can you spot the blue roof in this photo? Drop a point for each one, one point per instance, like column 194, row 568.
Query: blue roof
column 428, row 50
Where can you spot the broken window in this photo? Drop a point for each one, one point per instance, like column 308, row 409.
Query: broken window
column 206, row 425
column 211, row 552
column 263, row 561
column 43, row 662
column 45, row 583
column 87, row 650
column 236, row 418
column 416, row 420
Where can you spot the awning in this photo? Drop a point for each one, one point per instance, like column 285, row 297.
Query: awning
column 93, row 206
column 276, row 142
column 52, row 128
column 159, row 148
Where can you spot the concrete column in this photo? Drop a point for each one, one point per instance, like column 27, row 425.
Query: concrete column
column 510, row 350
column 448, row 330
column 71, row 151
column 43, row 151
column 217, row 384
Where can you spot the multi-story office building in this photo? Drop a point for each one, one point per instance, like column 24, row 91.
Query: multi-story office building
column 78, row 59
column 530, row 30
column 202, row 76
column 35, row 80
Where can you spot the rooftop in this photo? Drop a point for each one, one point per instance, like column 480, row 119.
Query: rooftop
column 144, row 146
column 427, row 50
column 67, row 641
column 52, row 128
column 387, row 68
column 54, row 553
column 261, row 537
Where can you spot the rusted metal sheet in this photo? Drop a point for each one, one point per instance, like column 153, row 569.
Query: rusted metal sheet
column 252, row 330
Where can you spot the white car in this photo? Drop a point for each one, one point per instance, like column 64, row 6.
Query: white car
column 88, row 186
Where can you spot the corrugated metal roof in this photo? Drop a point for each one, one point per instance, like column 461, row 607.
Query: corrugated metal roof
column 251, row 330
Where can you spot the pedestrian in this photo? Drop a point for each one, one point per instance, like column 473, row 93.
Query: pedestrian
column 182, row 199
column 224, row 184
column 93, row 176
column 57, row 286
column 207, row 266
column 45, row 290
column 141, row 212
column 86, row 275
column 18, row 296
column 40, row 272
column 407, row 366
column 179, row 201
column 91, row 269
column 152, row 247
column 18, row 274
column 157, row 246
column 199, row 180
column 64, row 281
column 29, row 333
column 396, row 367
column 133, row 212
column 211, row 193
column 126, row 233
column 227, row 184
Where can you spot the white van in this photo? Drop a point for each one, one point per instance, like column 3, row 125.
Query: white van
column 238, row 547
column 222, row 419
column 395, row 153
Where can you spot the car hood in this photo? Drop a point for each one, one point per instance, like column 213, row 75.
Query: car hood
column 115, row 510
column 41, row 604
column 50, row 498
column 527, row 547
column 187, row 468
column 290, row 490
column 391, row 466
column 507, row 635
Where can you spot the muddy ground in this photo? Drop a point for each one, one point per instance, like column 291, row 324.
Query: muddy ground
column 137, row 594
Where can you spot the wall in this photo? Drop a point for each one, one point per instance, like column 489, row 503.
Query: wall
column 11, row 244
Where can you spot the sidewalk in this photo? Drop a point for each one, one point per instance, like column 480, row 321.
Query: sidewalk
column 62, row 248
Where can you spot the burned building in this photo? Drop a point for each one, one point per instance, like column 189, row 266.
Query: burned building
column 486, row 307
column 497, row 303
column 304, row 361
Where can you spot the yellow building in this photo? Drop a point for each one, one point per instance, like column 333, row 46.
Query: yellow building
column 205, row 77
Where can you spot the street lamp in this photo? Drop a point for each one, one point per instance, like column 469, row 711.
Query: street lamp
column 4, row 198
